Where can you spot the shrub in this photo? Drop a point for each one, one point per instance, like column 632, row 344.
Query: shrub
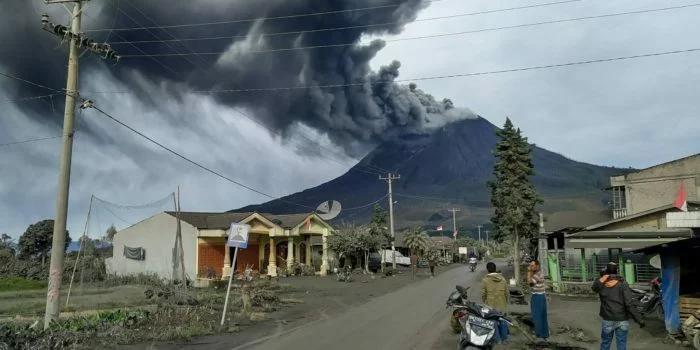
column 11, row 284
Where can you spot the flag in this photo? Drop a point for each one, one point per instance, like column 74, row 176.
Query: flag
column 455, row 234
column 308, row 222
column 439, row 228
column 681, row 202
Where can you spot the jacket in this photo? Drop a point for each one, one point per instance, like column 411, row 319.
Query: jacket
column 616, row 299
column 494, row 291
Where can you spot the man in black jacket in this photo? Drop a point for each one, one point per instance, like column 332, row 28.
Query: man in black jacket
column 616, row 305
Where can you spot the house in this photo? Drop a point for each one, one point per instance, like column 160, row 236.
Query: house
column 655, row 187
column 641, row 202
column 275, row 241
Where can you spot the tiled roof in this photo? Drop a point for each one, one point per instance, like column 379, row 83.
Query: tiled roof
column 213, row 221
column 286, row 220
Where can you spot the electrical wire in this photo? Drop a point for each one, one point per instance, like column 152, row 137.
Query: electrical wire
column 357, row 166
column 348, row 27
column 11, row 76
column 432, row 36
column 365, row 205
column 30, row 140
column 186, row 25
column 437, row 77
column 22, row 99
column 194, row 162
column 138, row 206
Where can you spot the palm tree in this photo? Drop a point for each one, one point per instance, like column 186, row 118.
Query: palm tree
column 417, row 240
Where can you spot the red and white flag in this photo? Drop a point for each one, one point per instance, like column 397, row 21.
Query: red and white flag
column 439, row 228
column 681, row 202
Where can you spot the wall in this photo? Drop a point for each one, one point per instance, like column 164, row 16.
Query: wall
column 157, row 236
column 656, row 221
column 658, row 186
column 211, row 255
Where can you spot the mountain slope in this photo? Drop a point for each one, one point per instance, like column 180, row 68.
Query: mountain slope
column 450, row 168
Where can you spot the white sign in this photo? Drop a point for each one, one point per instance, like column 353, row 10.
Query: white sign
column 689, row 219
column 238, row 235
column 463, row 250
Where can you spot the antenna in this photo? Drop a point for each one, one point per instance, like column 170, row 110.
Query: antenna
column 328, row 210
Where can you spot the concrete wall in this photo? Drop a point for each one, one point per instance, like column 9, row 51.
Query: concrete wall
column 157, row 236
column 658, row 186
column 655, row 221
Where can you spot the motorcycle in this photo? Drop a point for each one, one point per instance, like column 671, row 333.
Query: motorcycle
column 343, row 274
column 649, row 302
column 472, row 264
column 478, row 323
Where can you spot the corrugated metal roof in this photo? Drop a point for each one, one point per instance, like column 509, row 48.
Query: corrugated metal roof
column 286, row 220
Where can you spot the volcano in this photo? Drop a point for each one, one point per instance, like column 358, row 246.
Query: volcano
column 449, row 168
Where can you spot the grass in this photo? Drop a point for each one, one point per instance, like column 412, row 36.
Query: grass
column 12, row 284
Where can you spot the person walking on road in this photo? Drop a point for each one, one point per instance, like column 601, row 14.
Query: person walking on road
column 494, row 293
column 616, row 305
column 432, row 261
column 538, row 300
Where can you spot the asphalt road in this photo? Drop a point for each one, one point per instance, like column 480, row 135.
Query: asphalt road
column 413, row 317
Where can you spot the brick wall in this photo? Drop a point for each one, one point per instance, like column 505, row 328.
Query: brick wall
column 211, row 255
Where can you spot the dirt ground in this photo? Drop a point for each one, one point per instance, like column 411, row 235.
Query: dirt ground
column 321, row 298
column 574, row 324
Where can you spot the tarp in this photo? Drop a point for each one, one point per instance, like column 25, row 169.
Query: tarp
column 134, row 253
column 670, row 289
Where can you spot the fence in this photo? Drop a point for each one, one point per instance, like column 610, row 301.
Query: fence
column 569, row 271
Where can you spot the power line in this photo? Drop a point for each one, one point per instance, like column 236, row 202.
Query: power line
column 21, row 99
column 30, row 140
column 366, row 205
column 349, row 27
column 195, row 163
column 352, row 166
column 11, row 76
column 258, row 19
column 436, row 77
column 432, row 36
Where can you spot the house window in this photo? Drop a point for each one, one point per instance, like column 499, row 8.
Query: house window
column 619, row 202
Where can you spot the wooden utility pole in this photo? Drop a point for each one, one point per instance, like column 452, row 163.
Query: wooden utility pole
column 389, row 179
column 454, row 221
column 77, row 40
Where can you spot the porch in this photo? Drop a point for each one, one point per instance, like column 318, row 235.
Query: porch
column 273, row 244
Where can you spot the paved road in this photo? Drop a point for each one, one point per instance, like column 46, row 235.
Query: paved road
column 414, row 317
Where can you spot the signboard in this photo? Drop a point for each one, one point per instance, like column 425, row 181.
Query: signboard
column 463, row 250
column 688, row 219
column 238, row 235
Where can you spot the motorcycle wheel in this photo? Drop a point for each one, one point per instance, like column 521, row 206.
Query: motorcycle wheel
column 696, row 340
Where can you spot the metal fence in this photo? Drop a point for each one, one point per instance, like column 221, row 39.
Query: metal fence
column 571, row 268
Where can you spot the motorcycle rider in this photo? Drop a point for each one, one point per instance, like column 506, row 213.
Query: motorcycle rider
column 616, row 305
column 494, row 293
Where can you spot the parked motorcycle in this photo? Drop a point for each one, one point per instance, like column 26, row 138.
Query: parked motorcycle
column 472, row 264
column 343, row 274
column 478, row 323
column 649, row 302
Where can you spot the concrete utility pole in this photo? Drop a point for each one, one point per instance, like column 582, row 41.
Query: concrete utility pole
column 77, row 40
column 454, row 221
column 478, row 227
column 488, row 248
column 389, row 179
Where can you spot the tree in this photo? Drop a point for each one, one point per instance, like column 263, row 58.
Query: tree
column 513, row 196
column 109, row 234
column 368, row 242
column 7, row 251
column 378, row 227
column 417, row 240
column 36, row 241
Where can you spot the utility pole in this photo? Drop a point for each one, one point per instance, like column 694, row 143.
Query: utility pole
column 478, row 227
column 77, row 40
column 488, row 248
column 389, row 179
column 454, row 221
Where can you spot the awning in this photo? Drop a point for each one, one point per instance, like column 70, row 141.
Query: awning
column 624, row 239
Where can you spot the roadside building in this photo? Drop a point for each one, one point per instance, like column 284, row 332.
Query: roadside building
column 275, row 241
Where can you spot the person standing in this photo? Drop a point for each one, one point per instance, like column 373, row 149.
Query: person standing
column 414, row 264
column 494, row 293
column 538, row 300
column 616, row 305
column 432, row 261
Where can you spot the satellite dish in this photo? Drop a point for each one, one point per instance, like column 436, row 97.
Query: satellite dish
column 655, row 261
column 328, row 210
